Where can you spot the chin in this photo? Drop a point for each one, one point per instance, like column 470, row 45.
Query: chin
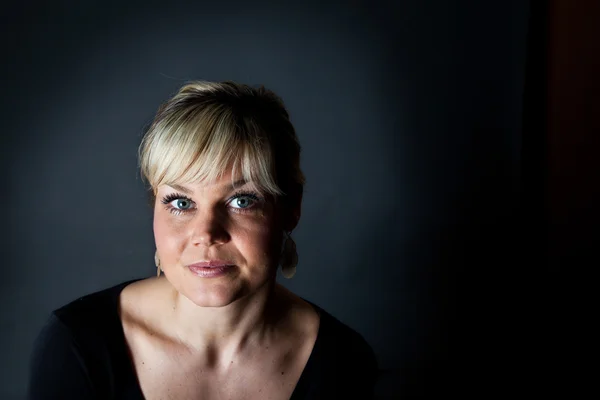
column 218, row 291
column 212, row 295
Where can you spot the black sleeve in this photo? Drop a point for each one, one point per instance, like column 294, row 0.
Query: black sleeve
column 353, row 370
column 364, row 370
column 57, row 369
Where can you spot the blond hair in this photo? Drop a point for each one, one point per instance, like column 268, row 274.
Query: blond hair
column 208, row 127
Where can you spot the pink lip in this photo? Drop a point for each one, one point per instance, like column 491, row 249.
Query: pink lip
column 211, row 269
column 211, row 264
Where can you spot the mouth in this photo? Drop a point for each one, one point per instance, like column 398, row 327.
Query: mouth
column 211, row 269
column 211, row 264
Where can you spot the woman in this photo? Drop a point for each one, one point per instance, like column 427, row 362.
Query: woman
column 222, row 163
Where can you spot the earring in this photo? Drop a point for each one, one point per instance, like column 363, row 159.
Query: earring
column 157, row 263
column 289, row 257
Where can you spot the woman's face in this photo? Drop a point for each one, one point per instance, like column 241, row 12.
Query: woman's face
column 198, row 223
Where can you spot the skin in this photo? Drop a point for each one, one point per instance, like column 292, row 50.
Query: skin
column 240, row 335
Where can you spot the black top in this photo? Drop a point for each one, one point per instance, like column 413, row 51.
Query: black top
column 81, row 354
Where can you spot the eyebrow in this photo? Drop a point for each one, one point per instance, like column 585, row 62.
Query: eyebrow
column 239, row 182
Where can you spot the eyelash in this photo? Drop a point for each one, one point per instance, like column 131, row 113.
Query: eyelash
column 176, row 196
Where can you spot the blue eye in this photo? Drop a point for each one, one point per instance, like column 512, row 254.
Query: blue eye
column 242, row 202
column 178, row 203
column 181, row 204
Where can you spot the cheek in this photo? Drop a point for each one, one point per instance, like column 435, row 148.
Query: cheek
column 168, row 237
column 259, row 243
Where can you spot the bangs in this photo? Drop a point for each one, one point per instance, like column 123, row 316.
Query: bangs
column 201, row 145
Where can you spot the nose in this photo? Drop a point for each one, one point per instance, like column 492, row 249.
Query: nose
column 208, row 229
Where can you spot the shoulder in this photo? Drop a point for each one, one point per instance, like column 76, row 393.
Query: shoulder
column 344, row 341
column 85, row 305
column 81, row 337
column 91, row 322
column 346, row 362
column 90, row 312
column 86, row 321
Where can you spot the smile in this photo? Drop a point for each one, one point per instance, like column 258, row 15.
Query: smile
column 210, row 271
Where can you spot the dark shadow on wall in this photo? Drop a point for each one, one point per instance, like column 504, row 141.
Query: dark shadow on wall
column 471, row 258
column 462, row 333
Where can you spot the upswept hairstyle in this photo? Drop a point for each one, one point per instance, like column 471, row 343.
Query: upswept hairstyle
column 208, row 127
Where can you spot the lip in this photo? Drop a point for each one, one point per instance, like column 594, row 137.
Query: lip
column 211, row 269
column 211, row 264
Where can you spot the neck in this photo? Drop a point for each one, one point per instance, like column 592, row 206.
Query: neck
column 226, row 331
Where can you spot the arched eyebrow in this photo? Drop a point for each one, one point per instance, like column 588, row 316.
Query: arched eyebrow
column 228, row 187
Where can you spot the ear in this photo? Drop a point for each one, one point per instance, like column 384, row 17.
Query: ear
column 292, row 212
column 293, row 220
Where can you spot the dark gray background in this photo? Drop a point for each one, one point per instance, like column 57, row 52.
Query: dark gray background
column 409, row 114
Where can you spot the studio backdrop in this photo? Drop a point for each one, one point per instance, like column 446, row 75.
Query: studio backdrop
column 409, row 118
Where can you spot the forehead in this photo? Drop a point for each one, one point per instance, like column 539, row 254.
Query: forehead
column 223, row 183
column 216, row 186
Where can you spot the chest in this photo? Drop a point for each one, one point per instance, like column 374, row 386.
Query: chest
column 168, row 372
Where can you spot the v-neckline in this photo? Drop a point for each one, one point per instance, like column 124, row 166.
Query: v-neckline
column 302, row 385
